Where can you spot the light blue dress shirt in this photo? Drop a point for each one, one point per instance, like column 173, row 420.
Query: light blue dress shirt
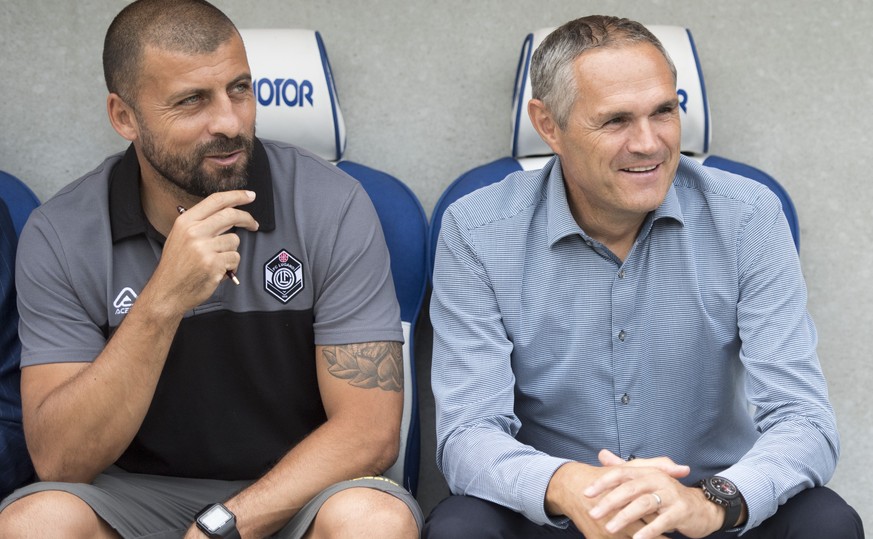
column 699, row 347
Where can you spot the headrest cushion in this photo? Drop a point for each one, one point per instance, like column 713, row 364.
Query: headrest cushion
column 297, row 101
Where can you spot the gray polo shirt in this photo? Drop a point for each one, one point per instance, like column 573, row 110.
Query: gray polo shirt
column 239, row 386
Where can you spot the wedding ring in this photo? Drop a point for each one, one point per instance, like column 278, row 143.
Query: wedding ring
column 657, row 499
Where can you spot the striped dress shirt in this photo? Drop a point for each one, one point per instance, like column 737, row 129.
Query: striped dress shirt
column 698, row 347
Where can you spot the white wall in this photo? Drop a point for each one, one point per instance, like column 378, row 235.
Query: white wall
column 426, row 87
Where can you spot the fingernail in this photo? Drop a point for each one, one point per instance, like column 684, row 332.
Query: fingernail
column 250, row 194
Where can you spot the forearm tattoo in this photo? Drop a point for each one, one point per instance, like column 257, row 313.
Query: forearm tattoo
column 367, row 365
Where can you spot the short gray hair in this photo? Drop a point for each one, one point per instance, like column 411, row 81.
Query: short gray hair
column 551, row 72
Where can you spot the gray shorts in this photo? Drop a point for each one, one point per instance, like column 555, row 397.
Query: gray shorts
column 154, row 506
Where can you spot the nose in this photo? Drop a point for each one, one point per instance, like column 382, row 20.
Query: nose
column 643, row 138
column 226, row 118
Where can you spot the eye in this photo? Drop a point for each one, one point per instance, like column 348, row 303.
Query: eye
column 242, row 88
column 190, row 100
column 666, row 110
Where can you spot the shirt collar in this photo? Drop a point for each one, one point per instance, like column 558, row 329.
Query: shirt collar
column 561, row 222
column 125, row 206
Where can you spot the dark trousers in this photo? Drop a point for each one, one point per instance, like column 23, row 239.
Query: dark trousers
column 817, row 513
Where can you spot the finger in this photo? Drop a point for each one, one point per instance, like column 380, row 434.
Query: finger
column 226, row 243
column 637, row 509
column 608, row 458
column 218, row 223
column 231, row 263
column 665, row 464
column 656, row 528
column 617, row 475
column 634, row 528
column 218, row 201
column 619, row 498
column 219, row 210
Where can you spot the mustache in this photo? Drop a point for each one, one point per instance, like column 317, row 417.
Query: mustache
column 225, row 145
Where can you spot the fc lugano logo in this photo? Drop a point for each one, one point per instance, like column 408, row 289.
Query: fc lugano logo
column 283, row 276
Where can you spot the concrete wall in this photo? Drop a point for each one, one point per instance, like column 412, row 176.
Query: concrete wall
column 426, row 89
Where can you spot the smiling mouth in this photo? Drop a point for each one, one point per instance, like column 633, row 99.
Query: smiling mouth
column 640, row 169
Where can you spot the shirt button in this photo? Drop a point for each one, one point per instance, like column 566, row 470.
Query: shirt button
column 621, row 274
column 621, row 335
column 625, row 399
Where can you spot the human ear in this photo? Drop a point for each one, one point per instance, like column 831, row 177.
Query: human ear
column 544, row 123
column 122, row 117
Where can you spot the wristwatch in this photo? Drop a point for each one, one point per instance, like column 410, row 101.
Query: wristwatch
column 723, row 492
column 216, row 520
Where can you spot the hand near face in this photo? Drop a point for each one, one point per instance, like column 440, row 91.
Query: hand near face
column 200, row 249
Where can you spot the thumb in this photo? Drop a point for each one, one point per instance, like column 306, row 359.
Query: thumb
column 608, row 458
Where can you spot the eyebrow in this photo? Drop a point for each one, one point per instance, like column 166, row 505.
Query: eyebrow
column 182, row 94
column 623, row 114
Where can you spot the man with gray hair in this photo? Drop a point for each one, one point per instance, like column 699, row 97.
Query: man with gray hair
column 163, row 396
column 601, row 325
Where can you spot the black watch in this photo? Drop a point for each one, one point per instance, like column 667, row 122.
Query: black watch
column 723, row 492
column 216, row 520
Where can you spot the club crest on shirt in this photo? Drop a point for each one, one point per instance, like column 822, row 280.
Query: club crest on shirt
column 283, row 276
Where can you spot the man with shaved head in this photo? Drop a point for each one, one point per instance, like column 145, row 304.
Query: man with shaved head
column 161, row 398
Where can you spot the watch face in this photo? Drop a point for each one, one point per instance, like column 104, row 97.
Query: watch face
column 215, row 518
column 723, row 486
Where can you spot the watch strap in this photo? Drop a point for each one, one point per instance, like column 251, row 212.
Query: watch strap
column 732, row 514
column 733, row 506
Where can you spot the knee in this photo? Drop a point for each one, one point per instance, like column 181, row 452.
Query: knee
column 467, row 516
column 814, row 513
column 836, row 520
column 363, row 513
column 50, row 513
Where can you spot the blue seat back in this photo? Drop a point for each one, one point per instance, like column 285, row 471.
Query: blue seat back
column 19, row 199
column 16, row 203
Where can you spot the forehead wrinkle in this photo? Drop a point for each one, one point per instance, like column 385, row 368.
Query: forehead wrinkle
column 182, row 73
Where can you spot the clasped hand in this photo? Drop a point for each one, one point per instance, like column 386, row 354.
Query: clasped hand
column 643, row 499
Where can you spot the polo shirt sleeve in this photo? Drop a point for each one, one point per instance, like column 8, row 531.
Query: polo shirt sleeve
column 473, row 385
column 799, row 445
column 357, row 302
column 55, row 324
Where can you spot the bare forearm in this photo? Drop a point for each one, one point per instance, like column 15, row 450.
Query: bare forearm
column 85, row 423
column 332, row 453
column 362, row 390
column 80, row 418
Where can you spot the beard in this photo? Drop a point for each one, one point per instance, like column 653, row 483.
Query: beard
column 188, row 172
